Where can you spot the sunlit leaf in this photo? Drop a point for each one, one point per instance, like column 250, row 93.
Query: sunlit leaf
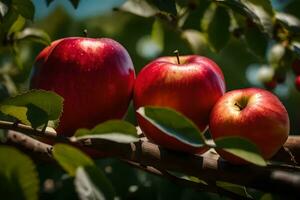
column 290, row 22
column 196, row 40
column 113, row 130
column 173, row 124
column 3, row 10
column 258, row 11
column 241, row 148
column 157, row 34
column 32, row 107
column 186, row 177
column 17, row 25
column 70, row 158
column 33, row 34
column 139, row 7
column 90, row 183
column 295, row 47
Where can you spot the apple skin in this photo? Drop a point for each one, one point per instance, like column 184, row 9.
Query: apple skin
column 94, row 76
column 191, row 88
column 271, row 85
column 254, row 114
column 296, row 66
column 297, row 83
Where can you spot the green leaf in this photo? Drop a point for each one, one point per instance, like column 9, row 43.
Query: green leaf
column 16, row 111
column 275, row 54
column 75, row 3
column 215, row 23
column 241, row 148
column 3, row 10
column 8, row 20
column 266, row 5
column 295, row 47
column 173, row 124
column 234, row 188
column 17, row 25
column 256, row 41
column 3, row 136
column 258, row 11
column 36, row 115
column 168, row 6
column 157, row 34
column 34, row 34
column 48, row 2
column 18, row 176
column 24, row 8
column 70, row 158
column 289, row 22
column 24, row 107
column 139, row 7
column 268, row 196
column 113, row 130
column 186, row 177
column 90, row 183
column 196, row 40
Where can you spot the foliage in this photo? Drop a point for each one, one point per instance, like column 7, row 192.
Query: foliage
column 220, row 29
column 19, row 178
column 113, row 130
column 34, row 108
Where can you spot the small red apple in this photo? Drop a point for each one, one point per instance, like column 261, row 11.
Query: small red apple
column 94, row 76
column 270, row 85
column 297, row 83
column 189, row 84
column 254, row 114
column 296, row 66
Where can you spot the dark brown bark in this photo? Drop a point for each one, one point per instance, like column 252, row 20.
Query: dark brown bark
column 283, row 177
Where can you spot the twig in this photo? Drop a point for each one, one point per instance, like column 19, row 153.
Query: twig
column 29, row 145
column 208, row 167
column 180, row 181
column 33, row 132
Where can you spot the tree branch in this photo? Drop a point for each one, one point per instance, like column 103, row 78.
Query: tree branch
column 280, row 179
column 180, row 181
column 43, row 152
column 207, row 167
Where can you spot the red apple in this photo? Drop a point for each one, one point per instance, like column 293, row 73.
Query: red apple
column 297, row 83
column 270, row 85
column 254, row 114
column 191, row 87
column 296, row 66
column 94, row 76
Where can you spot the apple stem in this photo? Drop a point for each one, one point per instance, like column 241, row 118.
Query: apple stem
column 239, row 106
column 177, row 55
column 85, row 33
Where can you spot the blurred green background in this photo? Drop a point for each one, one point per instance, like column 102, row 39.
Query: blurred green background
column 239, row 65
column 60, row 19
